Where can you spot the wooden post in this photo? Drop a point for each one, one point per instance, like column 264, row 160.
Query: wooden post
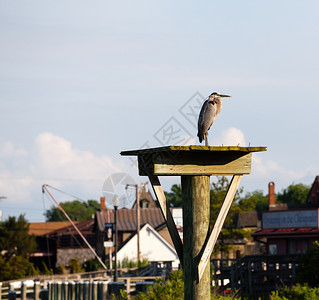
column 196, row 204
column 138, row 224
column 23, row 291
column 116, row 237
column 36, row 290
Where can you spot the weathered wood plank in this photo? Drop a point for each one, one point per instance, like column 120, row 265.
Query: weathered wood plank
column 159, row 193
column 240, row 165
column 193, row 148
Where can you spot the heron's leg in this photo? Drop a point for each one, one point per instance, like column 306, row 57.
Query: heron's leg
column 206, row 139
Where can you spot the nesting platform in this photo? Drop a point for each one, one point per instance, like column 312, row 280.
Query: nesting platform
column 195, row 164
column 194, row 160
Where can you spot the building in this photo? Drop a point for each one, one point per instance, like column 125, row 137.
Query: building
column 153, row 247
column 127, row 225
column 290, row 230
column 58, row 242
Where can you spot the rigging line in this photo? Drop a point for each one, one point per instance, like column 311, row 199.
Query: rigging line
column 60, row 216
column 59, row 213
column 45, row 187
column 68, row 194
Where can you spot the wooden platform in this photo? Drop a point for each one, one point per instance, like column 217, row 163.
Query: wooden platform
column 195, row 164
column 194, row 160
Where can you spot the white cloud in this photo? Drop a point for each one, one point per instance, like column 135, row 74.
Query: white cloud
column 53, row 161
column 8, row 150
column 271, row 171
column 56, row 158
column 232, row 137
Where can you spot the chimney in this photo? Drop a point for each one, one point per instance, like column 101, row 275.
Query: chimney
column 271, row 195
column 102, row 204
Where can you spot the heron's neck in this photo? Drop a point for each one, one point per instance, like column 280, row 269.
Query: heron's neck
column 219, row 105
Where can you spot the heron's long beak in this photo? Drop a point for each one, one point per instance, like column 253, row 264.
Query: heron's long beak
column 224, row 96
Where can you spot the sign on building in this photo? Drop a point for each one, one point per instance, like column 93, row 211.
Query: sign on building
column 290, row 219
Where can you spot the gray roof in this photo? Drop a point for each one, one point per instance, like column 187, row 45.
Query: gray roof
column 247, row 219
column 126, row 218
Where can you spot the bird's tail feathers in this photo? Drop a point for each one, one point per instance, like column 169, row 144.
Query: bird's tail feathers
column 200, row 136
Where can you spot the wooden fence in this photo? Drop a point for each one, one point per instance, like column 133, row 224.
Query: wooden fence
column 255, row 273
column 74, row 290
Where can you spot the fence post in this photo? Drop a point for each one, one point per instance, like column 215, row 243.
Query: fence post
column 94, row 290
column 36, row 290
column 128, row 285
column 0, row 290
column 86, row 290
column 58, row 290
column 23, row 291
column 71, row 291
column 65, row 287
column 12, row 295
column 103, row 290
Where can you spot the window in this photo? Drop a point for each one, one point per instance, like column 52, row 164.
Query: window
column 272, row 249
column 291, row 246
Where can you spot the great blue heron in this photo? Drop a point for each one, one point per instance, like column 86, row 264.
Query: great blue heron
column 210, row 109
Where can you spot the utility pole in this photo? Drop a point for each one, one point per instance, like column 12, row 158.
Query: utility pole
column 116, row 203
column 138, row 221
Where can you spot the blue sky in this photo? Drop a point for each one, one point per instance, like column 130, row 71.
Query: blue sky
column 82, row 81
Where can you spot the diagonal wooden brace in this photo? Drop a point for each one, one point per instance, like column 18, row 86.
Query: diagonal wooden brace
column 159, row 193
column 205, row 258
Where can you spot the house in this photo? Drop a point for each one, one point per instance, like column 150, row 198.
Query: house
column 152, row 247
column 290, row 230
column 46, row 247
column 145, row 198
column 249, row 221
column 126, row 224
column 69, row 244
column 58, row 242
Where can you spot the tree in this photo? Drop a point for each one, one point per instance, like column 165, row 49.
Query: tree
column 294, row 194
column 77, row 211
column 308, row 271
column 229, row 233
column 254, row 201
column 15, row 239
column 174, row 198
column 15, row 245
column 15, row 268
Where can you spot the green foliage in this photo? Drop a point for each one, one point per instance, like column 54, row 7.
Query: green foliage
column 217, row 195
column 229, row 231
column 15, row 239
column 75, row 266
column 77, row 210
column 46, row 270
column 123, row 294
column 91, row 265
column 61, row 269
column 174, row 198
column 16, row 267
column 294, row 194
column 254, row 201
column 15, row 245
column 298, row 292
column 171, row 289
column 308, row 271
column 126, row 263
